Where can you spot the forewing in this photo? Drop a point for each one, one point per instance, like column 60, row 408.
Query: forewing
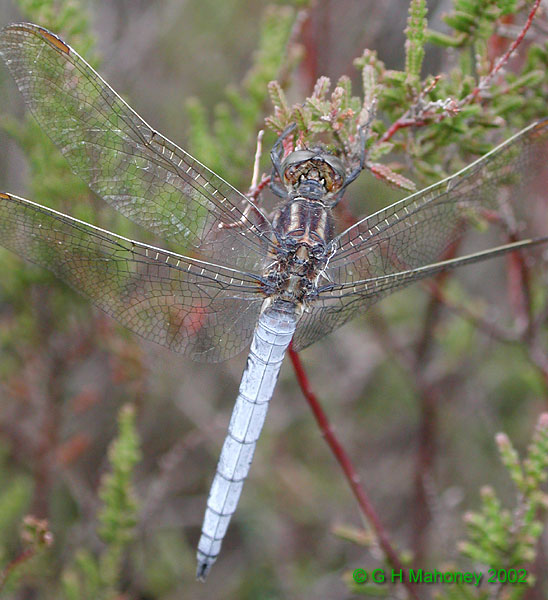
column 418, row 230
column 205, row 311
column 135, row 169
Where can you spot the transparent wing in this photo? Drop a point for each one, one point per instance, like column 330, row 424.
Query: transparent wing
column 205, row 311
column 339, row 302
column 411, row 234
column 136, row 170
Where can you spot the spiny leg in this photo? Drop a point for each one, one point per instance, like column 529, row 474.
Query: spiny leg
column 354, row 174
column 276, row 156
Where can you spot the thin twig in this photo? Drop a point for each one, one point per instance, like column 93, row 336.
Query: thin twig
column 414, row 116
column 418, row 116
column 37, row 535
column 486, row 80
column 348, row 468
column 297, row 33
column 258, row 154
column 253, row 193
column 401, row 123
column 24, row 556
column 429, row 400
column 505, row 57
column 257, row 187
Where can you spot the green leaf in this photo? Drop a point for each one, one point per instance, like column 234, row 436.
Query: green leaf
column 416, row 38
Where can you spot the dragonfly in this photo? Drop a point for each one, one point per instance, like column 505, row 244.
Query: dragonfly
column 231, row 274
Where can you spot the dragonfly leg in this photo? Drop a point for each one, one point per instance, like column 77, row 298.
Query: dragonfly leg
column 352, row 176
column 276, row 154
column 278, row 189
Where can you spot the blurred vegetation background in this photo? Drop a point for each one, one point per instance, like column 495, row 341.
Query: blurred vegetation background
column 416, row 391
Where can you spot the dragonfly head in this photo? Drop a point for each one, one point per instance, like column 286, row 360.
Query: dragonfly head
column 314, row 174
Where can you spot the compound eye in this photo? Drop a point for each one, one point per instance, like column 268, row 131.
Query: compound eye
column 336, row 164
column 338, row 172
column 297, row 157
column 334, row 179
column 291, row 174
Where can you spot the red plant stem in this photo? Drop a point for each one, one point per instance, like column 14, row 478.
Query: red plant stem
column 23, row 557
column 401, row 123
column 309, row 64
column 519, row 289
column 538, row 357
column 428, row 431
column 504, row 58
column 254, row 192
column 348, row 468
column 408, row 120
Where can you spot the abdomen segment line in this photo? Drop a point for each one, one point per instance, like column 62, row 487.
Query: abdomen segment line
column 273, row 334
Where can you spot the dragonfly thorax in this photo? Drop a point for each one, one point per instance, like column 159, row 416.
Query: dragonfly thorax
column 303, row 221
column 303, row 229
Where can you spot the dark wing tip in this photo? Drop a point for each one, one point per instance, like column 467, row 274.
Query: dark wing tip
column 46, row 35
column 540, row 127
